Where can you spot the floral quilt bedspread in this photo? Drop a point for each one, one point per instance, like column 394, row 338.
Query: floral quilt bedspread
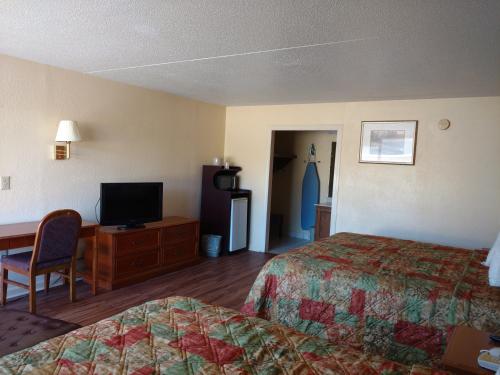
column 180, row 335
column 392, row 297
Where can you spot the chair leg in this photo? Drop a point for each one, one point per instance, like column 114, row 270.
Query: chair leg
column 32, row 294
column 5, row 276
column 47, row 282
column 72, row 277
column 65, row 279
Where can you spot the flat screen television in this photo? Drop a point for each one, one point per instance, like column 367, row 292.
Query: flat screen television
column 132, row 204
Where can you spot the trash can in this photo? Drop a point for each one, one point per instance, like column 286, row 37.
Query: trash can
column 210, row 245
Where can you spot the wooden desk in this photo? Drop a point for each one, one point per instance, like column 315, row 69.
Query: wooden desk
column 14, row 236
column 463, row 349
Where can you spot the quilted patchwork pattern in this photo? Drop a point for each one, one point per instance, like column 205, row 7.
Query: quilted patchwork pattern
column 181, row 335
column 396, row 298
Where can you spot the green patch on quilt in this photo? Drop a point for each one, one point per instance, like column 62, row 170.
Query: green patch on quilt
column 428, row 268
column 319, row 265
column 84, row 351
column 452, row 312
column 311, row 328
column 133, row 320
column 316, row 347
column 191, row 365
column 188, row 305
column 342, row 317
column 419, row 284
column 287, row 312
column 154, row 306
column 406, row 354
column 277, row 267
column 165, row 332
column 378, row 333
column 413, row 311
column 367, row 282
column 314, row 288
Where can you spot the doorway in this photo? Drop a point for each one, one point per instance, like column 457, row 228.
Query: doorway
column 302, row 174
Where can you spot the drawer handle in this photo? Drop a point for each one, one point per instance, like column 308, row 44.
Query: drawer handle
column 138, row 242
column 138, row 263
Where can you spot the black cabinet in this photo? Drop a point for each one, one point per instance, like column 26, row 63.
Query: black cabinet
column 225, row 209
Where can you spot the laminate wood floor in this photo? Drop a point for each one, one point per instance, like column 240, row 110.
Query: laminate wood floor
column 224, row 281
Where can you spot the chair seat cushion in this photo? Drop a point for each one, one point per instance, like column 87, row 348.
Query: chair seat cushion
column 22, row 261
column 20, row 329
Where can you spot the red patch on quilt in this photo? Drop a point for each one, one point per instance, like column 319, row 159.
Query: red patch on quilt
column 128, row 339
column 270, row 286
column 465, row 295
column 357, row 306
column 334, row 259
column 64, row 362
column 428, row 339
column 146, row 370
column 248, row 309
column 317, row 311
column 236, row 319
column 327, row 275
column 213, row 350
column 434, row 294
column 310, row 356
column 376, row 263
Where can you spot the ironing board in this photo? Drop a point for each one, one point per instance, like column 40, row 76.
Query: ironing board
column 310, row 192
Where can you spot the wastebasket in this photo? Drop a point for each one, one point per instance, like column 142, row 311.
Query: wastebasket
column 210, row 245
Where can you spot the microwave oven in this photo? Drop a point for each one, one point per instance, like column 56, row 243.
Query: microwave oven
column 226, row 182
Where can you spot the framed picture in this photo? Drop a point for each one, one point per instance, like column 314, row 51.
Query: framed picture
column 388, row 142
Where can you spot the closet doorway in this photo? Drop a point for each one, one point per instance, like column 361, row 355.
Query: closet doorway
column 302, row 175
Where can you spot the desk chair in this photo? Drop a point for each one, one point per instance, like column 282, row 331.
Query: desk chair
column 54, row 251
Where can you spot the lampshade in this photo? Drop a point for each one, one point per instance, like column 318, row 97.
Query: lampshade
column 68, row 131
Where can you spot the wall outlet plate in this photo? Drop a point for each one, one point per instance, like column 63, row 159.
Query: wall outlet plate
column 5, row 183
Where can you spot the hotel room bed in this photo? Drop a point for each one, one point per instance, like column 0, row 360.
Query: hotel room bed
column 180, row 335
column 392, row 297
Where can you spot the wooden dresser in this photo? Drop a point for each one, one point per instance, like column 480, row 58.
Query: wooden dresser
column 323, row 215
column 129, row 256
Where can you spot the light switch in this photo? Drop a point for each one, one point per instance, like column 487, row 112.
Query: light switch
column 5, row 183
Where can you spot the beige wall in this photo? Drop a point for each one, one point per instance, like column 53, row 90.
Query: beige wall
column 287, row 183
column 451, row 195
column 129, row 134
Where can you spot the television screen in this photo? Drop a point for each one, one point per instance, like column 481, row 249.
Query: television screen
column 131, row 204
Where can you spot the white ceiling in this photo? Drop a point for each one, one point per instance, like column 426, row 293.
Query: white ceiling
column 239, row 52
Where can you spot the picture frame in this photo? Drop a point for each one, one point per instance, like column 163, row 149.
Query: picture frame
column 388, row 142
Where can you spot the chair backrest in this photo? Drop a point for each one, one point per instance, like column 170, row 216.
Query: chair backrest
column 57, row 236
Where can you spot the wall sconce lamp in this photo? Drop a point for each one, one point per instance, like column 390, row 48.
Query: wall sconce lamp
column 66, row 132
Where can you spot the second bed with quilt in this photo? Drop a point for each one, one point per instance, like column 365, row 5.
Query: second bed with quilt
column 392, row 297
column 180, row 335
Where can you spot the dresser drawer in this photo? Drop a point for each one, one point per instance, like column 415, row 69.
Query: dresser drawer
column 180, row 252
column 4, row 244
column 137, row 263
column 179, row 233
column 130, row 243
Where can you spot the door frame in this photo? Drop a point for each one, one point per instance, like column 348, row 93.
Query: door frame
column 269, row 176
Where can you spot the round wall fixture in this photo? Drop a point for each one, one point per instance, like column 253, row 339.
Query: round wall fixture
column 444, row 124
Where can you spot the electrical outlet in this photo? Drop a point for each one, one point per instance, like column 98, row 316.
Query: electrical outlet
column 5, row 183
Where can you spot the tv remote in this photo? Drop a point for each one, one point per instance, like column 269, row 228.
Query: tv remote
column 495, row 338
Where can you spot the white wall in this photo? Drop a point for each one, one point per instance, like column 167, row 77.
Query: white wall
column 129, row 134
column 451, row 196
